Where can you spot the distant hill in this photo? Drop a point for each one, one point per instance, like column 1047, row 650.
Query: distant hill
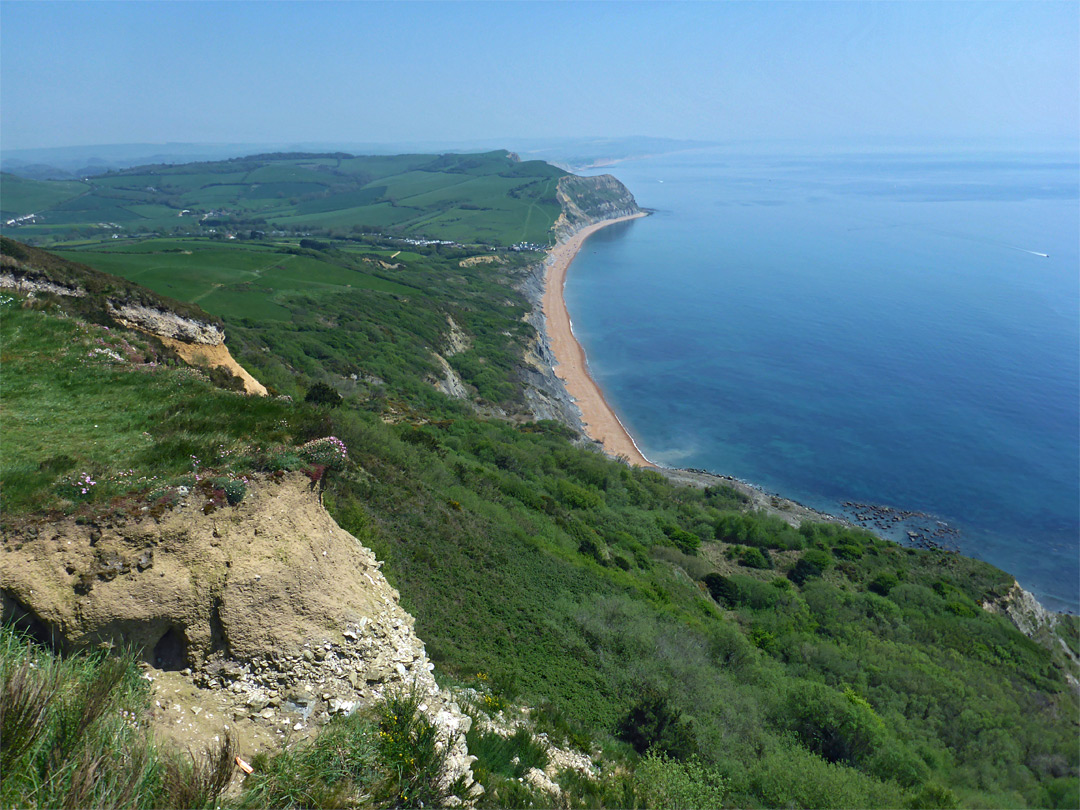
column 75, row 162
column 492, row 198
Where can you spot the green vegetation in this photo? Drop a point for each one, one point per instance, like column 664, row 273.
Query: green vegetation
column 717, row 655
column 93, row 414
column 487, row 198
column 22, row 196
column 346, row 309
column 73, row 733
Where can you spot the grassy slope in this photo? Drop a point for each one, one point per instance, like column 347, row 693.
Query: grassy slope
column 557, row 572
column 487, row 197
column 20, row 195
column 83, row 399
column 231, row 282
column 329, row 314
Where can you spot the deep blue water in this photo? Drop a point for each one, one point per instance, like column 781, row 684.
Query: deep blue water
column 857, row 328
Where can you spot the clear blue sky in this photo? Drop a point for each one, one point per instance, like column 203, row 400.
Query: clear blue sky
column 101, row 72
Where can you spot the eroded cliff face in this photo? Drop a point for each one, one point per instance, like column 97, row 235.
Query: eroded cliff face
column 586, row 200
column 197, row 342
column 546, row 396
column 166, row 324
column 268, row 611
column 1039, row 624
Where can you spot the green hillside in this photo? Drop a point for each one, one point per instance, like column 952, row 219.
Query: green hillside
column 20, row 196
column 812, row 666
column 488, row 198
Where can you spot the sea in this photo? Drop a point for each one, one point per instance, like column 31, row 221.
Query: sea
column 892, row 336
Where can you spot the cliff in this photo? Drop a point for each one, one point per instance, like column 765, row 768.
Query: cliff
column 586, row 200
column 196, row 336
column 266, row 615
column 1045, row 627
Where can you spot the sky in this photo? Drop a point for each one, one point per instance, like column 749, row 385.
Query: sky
column 89, row 73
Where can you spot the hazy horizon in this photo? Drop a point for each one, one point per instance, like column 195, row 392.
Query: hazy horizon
column 102, row 73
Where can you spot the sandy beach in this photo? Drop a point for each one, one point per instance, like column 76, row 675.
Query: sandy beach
column 601, row 423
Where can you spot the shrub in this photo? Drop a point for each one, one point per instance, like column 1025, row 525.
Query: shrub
column 686, row 542
column 755, row 558
column 935, row 797
column 722, row 589
column 235, row 491
column 818, row 558
column 803, row 570
column 221, row 377
column 883, row 583
column 322, row 394
column 329, row 451
column 409, row 751
column 839, row 728
column 592, row 546
column 653, row 724
column 577, row 496
column 663, row 782
column 848, row 551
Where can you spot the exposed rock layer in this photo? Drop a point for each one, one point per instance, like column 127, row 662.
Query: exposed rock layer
column 202, row 354
column 197, row 342
column 270, row 600
column 586, row 200
column 166, row 324
column 28, row 284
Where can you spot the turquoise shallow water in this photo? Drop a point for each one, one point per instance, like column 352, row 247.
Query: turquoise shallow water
column 874, row 329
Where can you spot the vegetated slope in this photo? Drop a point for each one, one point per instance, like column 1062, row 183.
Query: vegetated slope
column 361, row 314
column 21, row 196
column 811, row 667
column 182, row 328
column 490, row 198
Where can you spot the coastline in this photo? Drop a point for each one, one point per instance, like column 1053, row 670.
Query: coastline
column 569, row 364
column 598, row 418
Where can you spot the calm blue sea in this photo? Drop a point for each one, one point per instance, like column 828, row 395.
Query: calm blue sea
column 869, row 328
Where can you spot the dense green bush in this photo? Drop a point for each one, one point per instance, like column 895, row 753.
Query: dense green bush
column 755, row 558
column 663, row 782
column 322, row 394
column 651, row 724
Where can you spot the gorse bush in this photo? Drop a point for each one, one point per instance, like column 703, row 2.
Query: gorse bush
column 413, row 758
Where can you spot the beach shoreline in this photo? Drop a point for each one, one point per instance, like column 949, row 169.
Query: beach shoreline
column 571, row 366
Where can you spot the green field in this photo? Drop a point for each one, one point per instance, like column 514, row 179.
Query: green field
column 230, row 281
column 491, row 198
column 20, row 195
